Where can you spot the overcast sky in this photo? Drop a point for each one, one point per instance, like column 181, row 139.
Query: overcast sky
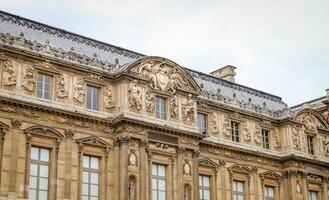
column 278, row 46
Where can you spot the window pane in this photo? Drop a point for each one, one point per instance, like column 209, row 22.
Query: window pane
column 206, row 195
column 43, row 195
column 200, row 181
column 205, row 181
column 85, row 198
column 161, row 185
column 94, row 178
column 43, row 171
column 32, row 195
column 154, row 195
column 162, row 195
column 154, row 184
column 43, row 183
column 94, row 163
column 85, row 177
column 240, row 187
column 89, row 93
column 44, row 155
column 85, row 189
column 33, row 182
column 34, row 153
column 33, row 169
column 270, row 191
column 240, row 197
column 161, row 170
column 85, row 161
column 93, row 198
column 94, row 190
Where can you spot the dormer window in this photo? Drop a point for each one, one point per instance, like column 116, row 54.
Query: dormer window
column 202, row 123
column 160, row 108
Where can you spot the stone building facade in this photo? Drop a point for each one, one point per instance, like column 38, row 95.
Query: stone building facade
column 82, row 119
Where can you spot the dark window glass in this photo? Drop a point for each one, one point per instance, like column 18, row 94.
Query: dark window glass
column 310, row 144
column 265, row 139
column 202, row 123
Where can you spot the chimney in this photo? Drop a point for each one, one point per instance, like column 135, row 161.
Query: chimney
column 226, row 73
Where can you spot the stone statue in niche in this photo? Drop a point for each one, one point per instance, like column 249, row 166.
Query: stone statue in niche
column 132, row 192
column 108, row 98
column 276, row 139
column 296, row 137
column 29, row 79
column 9, row 74
column 173, row 107
column 79, row 91
column 60, row 87
column 135, row 96
column 258, row 135
column 149, row 102
column 188, row 109
column 186, row 194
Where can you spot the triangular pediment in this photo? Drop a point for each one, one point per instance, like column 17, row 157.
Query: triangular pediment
column 44, row 131
column 271, row 174
column 94, row 141
column 164, row 75
column 208, row 162
column 240, row 168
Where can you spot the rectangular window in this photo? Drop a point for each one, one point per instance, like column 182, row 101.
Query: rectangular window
column 39, row 170
column 265, row 139
column 90, row 174
column 202, row 123
column 269, row 193
column 235, row 132
column 92, row 97
column 310, row 144
column 313, row 195
column 160, row 108
column 237, row 190
column 158, row 182
column 204, row 187
column 44, row 86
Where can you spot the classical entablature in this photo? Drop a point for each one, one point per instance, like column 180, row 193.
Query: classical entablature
column 311, row 119
column 164, row 75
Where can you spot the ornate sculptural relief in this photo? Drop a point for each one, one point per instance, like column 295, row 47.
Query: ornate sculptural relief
column 108, row 98
column 226, row 127
column 214, row 127
column 325, row 143
column 310, row 121
column 162, row 76
column 276, row 139
column 60, row 87
column 246, row 132
column 135, row 96
column 173, row 107
column 29, row 79
column 188, row 109
column 258, row 135
column 149, row 102
column 9, row 74
column 79, row 91
column 296, row 137
column 132, row 192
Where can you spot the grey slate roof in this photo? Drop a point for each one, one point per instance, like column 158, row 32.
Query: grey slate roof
column 39, row 38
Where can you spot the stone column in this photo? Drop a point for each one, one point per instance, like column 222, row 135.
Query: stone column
column 325, row 188
column 304, row 185
column 180, row 184
column 116, row 146
column 68, row 164
column 15, row 132
column 124, row 141
column 195, row 156
column 142, row 168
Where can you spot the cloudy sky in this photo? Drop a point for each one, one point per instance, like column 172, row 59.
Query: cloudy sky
column 278, row 46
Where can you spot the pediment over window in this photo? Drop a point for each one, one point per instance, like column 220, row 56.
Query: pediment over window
column 271, row 175
column 210, row 163
column 44, row 131
column 311, row 119
column 164, row 75
column 240, row 168
column 94, row 141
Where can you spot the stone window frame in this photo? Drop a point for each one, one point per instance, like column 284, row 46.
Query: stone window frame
column 240, row 173
column 49, row 71
column 237, row 118
column 207, row 167
column 315, row 183
column 270, row 146
column 166, row 100
column 97, row 83
column 272, row 179
column 3, row 130
column 86, row 146
column 271, row 129
column 206, row 114
column 169, row 165
column 48, row 138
